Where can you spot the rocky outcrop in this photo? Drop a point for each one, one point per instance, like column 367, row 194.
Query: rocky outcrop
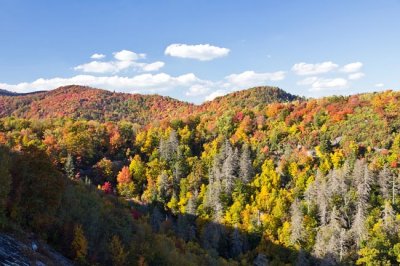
column 14, row 251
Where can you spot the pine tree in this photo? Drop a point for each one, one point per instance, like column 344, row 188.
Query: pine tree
column 79, row 244
column 168, row 148
column 363, row 181
column 389, row 217
column 229, row 167
column 384, row 181
column 236, row 243
column 246, row 170
column 5, row 183
column 183, row 227
column 211, row 236
column 321, row 190
column 214, row 189
column 156, row 218
column 297, row 229
column 191, row 206
column 329, row 243
column 69, row 167
column 163, row 187
column 118, row 253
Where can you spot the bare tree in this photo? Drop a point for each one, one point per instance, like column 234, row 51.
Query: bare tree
column 384, row 181
column 297, row 229
column 246, row 170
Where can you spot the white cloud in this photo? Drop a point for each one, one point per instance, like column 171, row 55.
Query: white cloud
column 124, row 60
column 202, row 52
column 248, row 79
column 324, row 84
column 98, row 67
column 139, row 83
column 126, row 55
column 197, row 90
column 307, row 81
column 216, row 94
column 379, row 85
column 153, row 66
column 97, row 56
column 304, row 69
column 320, row 84
column 356, row 76
column 352, row 67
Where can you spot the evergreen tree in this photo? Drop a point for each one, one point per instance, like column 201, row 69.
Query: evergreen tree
column 156, row 218
column 191, row 206
column 246, row 170
column 163, row 187
column 229, row 168
column 236, row 243
column 297, row 229
column 5, row 183
column 79, row 244
column 363, row 180
column 69, row 167
column 118, row 253
column 384, row 181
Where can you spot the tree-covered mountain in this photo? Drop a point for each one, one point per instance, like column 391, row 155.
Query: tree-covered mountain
column 79, row 102
column 255, row 177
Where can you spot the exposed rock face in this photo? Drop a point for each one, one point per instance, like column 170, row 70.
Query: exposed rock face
column 16, row 252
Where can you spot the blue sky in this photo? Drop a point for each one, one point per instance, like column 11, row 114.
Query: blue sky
column 196, row 50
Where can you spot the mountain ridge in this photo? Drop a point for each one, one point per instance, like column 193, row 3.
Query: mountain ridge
column 92, row 103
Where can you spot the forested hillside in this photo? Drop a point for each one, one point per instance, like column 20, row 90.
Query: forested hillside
column 259, row 176
column 80, row 102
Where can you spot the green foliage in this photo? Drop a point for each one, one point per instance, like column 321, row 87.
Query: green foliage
column 79, row 245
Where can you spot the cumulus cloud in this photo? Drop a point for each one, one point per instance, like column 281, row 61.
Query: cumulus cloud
column 139, row 83
column 153, row 66
column 124, row 60
column 304, row 69
column 379, row 85
column 355, row 76
column 98, row 67
column 202, row 52
column 216, row 94
column 352, row 67
column 197, row 90
column 320, row 84
column 307, row 81
column 155, row 83
column 97, row 56
column 248, row 79
column 126, row 55
column 324, row 84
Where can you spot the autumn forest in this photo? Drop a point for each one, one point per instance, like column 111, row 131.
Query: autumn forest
column 256, row 177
